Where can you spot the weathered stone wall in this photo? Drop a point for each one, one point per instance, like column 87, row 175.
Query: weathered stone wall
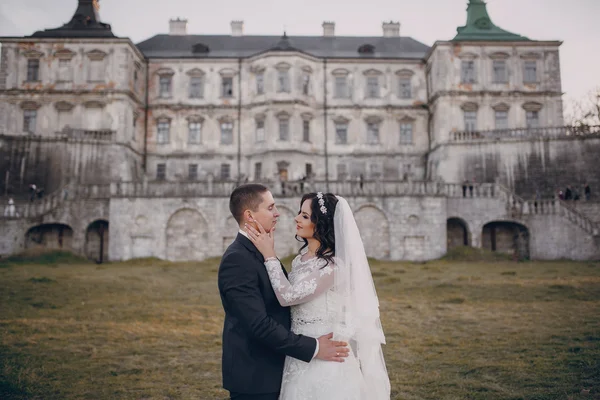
column 523, row 165
column 52, row 163
column 590, row 209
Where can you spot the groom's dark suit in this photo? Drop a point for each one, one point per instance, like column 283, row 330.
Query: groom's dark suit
column 256, row 333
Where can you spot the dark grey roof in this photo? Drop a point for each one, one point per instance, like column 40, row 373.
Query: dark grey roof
column 225, row 46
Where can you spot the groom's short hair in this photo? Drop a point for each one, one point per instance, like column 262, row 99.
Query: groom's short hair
column 246, row 197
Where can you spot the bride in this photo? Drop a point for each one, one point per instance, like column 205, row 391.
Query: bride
column 330, row 289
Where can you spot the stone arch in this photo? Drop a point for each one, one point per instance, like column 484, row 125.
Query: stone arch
column 374, row 230
column 285, row 242
column 55, row 236
column 457, row 233
column 187, row 236
column 96, row 241
column 506, row 237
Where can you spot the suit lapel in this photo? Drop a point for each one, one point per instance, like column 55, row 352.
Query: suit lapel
column 252, row 248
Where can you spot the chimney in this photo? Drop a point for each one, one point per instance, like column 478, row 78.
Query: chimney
column 391, row 29
column 328, row 29
column 237, row 28
column 178, row 27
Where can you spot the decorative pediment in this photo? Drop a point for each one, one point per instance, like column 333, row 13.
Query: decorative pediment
column 30, row 105
column 225, row 119
column 64, row 54
column 499, row 56
column 64, row 106
column 195, row 72
column 531, row 56
column 165, row 72
column 96, row 55
column 340, row 119
column 33, row 54
column 340, row 72
column 282, row 66
column 195, row 118
column 532, row 106
column 406, row 119
column 405, row 73
column 469, row 106
column 228, row 72
column 260, row 117
column 501, row 107
column 163, row 118
column 283, row 115
column 467, row 56
column 306, row 116
column 372, row 72
column 307, row 69
column 373, row 119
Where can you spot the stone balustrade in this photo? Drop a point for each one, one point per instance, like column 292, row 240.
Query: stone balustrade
column 526, row 133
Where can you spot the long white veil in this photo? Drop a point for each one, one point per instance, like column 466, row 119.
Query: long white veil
column 357, row 306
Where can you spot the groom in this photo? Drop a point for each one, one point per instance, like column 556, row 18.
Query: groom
column 256, row 333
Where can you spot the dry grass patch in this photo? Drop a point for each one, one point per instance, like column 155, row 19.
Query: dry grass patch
column 150, row 329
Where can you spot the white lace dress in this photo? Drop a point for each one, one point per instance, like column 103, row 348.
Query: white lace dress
column 311, row 297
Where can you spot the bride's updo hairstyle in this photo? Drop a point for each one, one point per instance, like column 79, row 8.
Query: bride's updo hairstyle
column 324, row 231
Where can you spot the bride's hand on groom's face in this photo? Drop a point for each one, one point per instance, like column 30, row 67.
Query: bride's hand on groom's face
column 332, row 350
column 263, row 240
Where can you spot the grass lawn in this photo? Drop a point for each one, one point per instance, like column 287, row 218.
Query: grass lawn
column 459, row 328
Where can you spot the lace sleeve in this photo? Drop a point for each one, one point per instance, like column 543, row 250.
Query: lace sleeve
column 306, row 289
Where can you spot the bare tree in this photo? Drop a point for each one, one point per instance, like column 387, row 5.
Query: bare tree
column 585, row 112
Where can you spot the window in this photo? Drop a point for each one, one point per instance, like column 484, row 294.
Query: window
column 283, row 81
column 342, row 172
column 375, row 170
column 308, row 170
column 341, row 87
column 501, row 119
column 196, row 87
column 500, row 71
column 96, row 70
column 161, row 172
column 372, row 86
column 305, row 83
column 260, row 131
column 260, row 83
column 162, row 129
column 194, row 132
column 467, row 74
column 29, row 118
column 406, row 133
column 405, row 89
column 227, row 86
column 341, row 133
column 33, row 70
column 530, row 72
column 470, row 120
column 226, row 132
column 372, row 132
column 407, row 171
column 257, row 171
column 65, row 72
column 532, row 119
column 306, row 130
column 284, row 128
column 193, row 172
column 164, row 84
column 225, row 171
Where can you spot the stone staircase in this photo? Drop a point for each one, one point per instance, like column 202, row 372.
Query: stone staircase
column 517, row 207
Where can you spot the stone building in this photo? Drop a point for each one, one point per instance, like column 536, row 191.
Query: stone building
column 137, row 146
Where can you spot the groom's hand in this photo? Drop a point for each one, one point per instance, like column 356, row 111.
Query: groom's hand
column 331, row 350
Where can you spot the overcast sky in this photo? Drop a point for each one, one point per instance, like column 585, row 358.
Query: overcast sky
column 575, row 22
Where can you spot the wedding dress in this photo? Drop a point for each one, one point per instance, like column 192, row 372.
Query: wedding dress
column 336, row 297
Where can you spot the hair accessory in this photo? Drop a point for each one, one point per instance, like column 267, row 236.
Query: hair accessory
column 322, row 202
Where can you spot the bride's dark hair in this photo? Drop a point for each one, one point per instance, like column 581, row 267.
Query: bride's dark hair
column 324, row 231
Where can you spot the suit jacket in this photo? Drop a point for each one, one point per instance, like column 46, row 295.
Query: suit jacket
column 256, row 333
